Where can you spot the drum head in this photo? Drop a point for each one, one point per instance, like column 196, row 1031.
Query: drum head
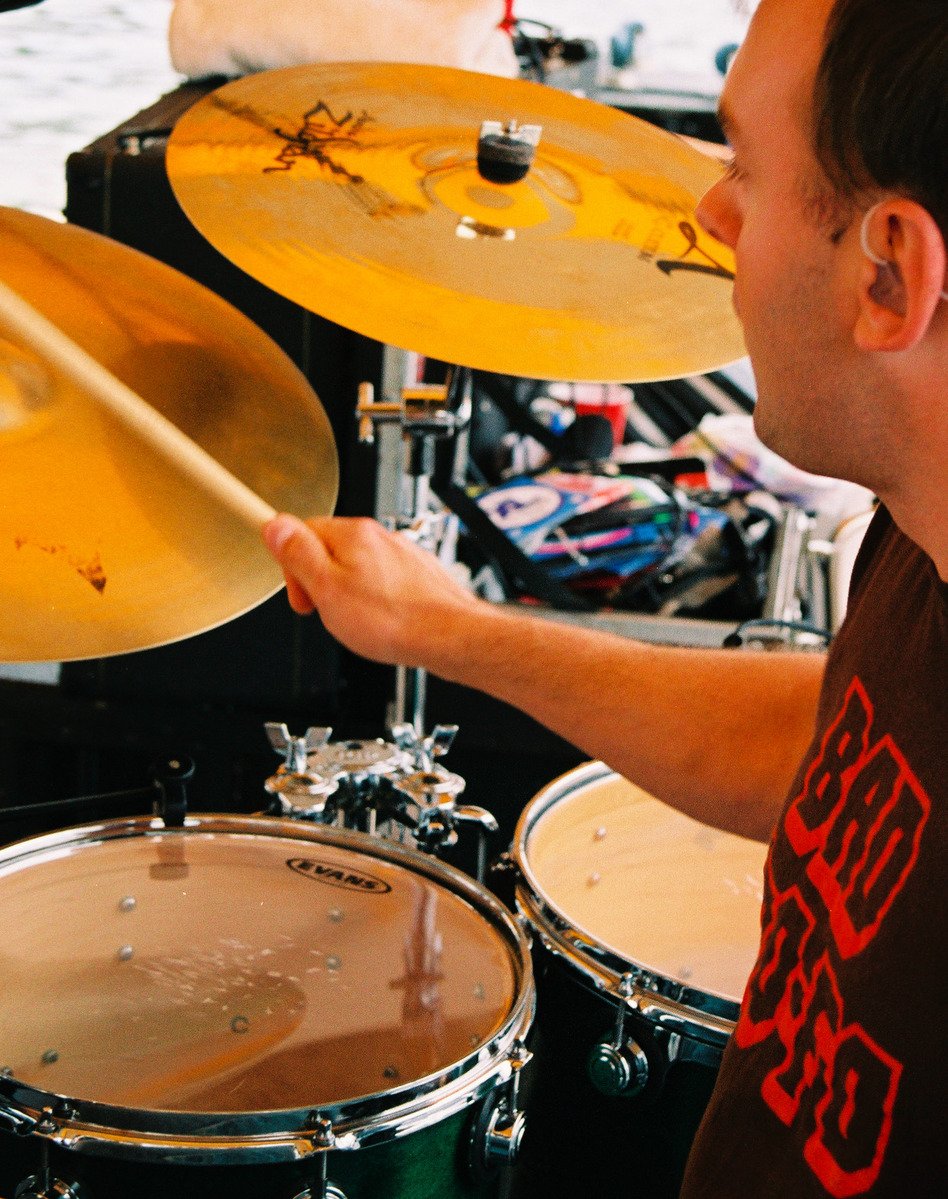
column 216, row 969
column 655, row 888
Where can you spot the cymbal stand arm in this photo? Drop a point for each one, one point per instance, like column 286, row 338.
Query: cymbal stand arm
column 427, row 414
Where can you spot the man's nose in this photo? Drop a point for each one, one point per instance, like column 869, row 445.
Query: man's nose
column 715, row 216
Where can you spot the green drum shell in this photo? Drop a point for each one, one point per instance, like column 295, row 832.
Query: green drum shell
column 422, row 1139
column 433, row 1163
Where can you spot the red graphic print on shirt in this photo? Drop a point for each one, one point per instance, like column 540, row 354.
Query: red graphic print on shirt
column 855, row 828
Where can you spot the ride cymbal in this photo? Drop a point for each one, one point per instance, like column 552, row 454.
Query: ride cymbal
column 353, row 189
column 106, row 547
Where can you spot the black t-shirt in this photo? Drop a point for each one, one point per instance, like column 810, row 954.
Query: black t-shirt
column 836, row 1079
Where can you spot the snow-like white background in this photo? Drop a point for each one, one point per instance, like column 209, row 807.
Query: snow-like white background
column 70, row 70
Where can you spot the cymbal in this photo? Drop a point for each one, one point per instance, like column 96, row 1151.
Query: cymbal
column 105, row 546
column 353, row 189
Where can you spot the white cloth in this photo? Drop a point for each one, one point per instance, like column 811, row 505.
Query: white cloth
column 236, row 37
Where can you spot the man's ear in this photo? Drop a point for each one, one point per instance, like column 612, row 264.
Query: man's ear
column 898, row 297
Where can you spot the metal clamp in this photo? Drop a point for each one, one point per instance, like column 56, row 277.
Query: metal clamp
column 424, row 750
column 420, row 410
column 295, row 750
column 618, row 1066
column 298, row 790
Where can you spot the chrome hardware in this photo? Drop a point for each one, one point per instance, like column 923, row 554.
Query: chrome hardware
column 304, row 794
column 16, row 1122
column 498, row 1130
column 619, row 1066
column 323, row 1138
column 618, row 1070
column 50, row 1188
column 503, row 1136
column 357, row 763
column 424, row 750
column 472, row 814
column 298, row 790
column 295, row 750
column 420, row 409
column 395, row 789
column 782, row 601
column 432, row 790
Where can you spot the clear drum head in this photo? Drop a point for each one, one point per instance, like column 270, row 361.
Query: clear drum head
column 236, row 966
column 638, row 881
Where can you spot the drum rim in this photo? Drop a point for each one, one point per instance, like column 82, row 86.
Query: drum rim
column 283, row 1133
column 693, row 1011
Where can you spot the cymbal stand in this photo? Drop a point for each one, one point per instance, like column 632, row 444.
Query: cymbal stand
column 428, row 414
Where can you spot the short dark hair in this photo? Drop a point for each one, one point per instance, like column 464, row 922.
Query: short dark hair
column 881, row 100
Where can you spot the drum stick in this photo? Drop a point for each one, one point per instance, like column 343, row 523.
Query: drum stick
column 33, row 329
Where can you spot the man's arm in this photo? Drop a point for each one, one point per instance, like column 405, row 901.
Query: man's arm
column 718, row 735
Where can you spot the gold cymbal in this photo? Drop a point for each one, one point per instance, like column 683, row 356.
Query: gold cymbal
column 105, row 547
column 353, row 189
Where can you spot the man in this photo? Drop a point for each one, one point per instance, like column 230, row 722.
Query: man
column 835, row 1080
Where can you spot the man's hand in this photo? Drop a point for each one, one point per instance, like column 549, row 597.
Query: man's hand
column 376, row 592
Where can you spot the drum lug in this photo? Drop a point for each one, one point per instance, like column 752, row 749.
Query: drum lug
column 502, row 1136
column 323, row 1139
column 618, row 1069
column 498, row 1130
column 618, row 1066
column 51, row 1188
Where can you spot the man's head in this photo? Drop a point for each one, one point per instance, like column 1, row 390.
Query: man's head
column 844, row 349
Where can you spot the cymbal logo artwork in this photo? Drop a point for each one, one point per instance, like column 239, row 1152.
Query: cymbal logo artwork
column 320, row 130
column 710, row 267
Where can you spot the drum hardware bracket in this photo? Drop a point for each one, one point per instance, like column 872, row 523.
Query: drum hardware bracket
column 619, row 1066
column 432, row 793
column 423, row 411
column 297, row 790
column 499, row 1127
column 427, row 413
column 295, row 749
column 171, row 777
column 424, row 750
column 323, row 1139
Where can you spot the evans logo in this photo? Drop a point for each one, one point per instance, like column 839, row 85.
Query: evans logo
column 337, row 876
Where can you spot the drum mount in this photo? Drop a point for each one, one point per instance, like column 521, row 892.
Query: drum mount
column 394, row 789
column 426, row 414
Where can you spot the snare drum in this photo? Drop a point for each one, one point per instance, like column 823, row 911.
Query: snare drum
column 253, row 1007
column 645, row 926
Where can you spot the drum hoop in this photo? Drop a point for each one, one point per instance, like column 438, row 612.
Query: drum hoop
column 280, row 1134
column 682, row 1008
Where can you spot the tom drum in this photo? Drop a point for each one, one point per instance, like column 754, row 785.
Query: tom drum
column 253, row 1007
column 645, row 926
